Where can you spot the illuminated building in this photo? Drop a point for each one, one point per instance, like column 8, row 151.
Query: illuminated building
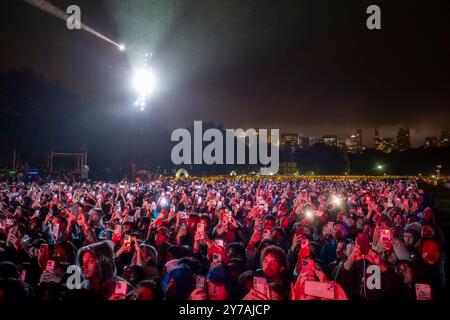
column 289, row 141
column 445, row 138
column 330, row 140
column 431, row 142
column 403, row 141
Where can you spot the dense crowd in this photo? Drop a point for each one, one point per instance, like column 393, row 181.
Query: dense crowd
column 220, row 239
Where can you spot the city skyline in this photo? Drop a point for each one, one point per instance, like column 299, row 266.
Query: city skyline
column 354, row 142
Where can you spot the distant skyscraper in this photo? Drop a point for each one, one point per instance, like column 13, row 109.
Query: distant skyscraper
column 403, row 139
column 359, row 139
column 431, row 142
column 386, row 145
column 377, row 140
column 445, row 138
column 330, row 140
column 353, row 144
column 289, row 141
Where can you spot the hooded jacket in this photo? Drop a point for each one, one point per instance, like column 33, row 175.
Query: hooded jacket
column 104, row 255
column 183, row 276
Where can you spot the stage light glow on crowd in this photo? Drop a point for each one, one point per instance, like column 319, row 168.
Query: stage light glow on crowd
column 336, row 200
column 309, row 213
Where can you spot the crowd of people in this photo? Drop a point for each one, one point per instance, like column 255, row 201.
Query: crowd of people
column 220, row 239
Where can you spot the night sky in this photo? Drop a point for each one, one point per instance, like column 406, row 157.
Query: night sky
column 310, row 67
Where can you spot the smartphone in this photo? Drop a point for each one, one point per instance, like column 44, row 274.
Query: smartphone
column 55, row 230
column 199, row 200
column 260, row 285
column 200, row 227
column 75, row 210
column 200, row 282
column 127, row 240
column 304, row 247
column 359, row 212
column 308, row 267
column 323, row 290
column 299, row 230
column 23, row 276
column 50, row 267
column 219, row 242
column 385, row 235
column 423, row 291
column 118, row 230
column 364, row 243
column 121, row 288
column 330, row 226
column 318, row 213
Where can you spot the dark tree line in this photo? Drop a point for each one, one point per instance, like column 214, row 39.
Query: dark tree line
column 41, row 115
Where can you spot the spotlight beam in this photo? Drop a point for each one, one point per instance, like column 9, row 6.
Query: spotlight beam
column 58, row 13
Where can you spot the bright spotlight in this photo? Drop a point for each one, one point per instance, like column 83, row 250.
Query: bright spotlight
column 122, row 47
column 309, row 213
column 142, row 108
column 164, row 201
column 336, row 200
column 144, row 83
column 380, row 167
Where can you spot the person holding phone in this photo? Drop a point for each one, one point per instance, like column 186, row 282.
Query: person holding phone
column 317, row 287
column 275, row 266
column 146, row 290
column 14, row 250
column 328, row 243
column 219, row 285
column 99, row 271
column 353, row 274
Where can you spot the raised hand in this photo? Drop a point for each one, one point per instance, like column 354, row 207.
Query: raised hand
column 198, row 294
column 256, row 295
